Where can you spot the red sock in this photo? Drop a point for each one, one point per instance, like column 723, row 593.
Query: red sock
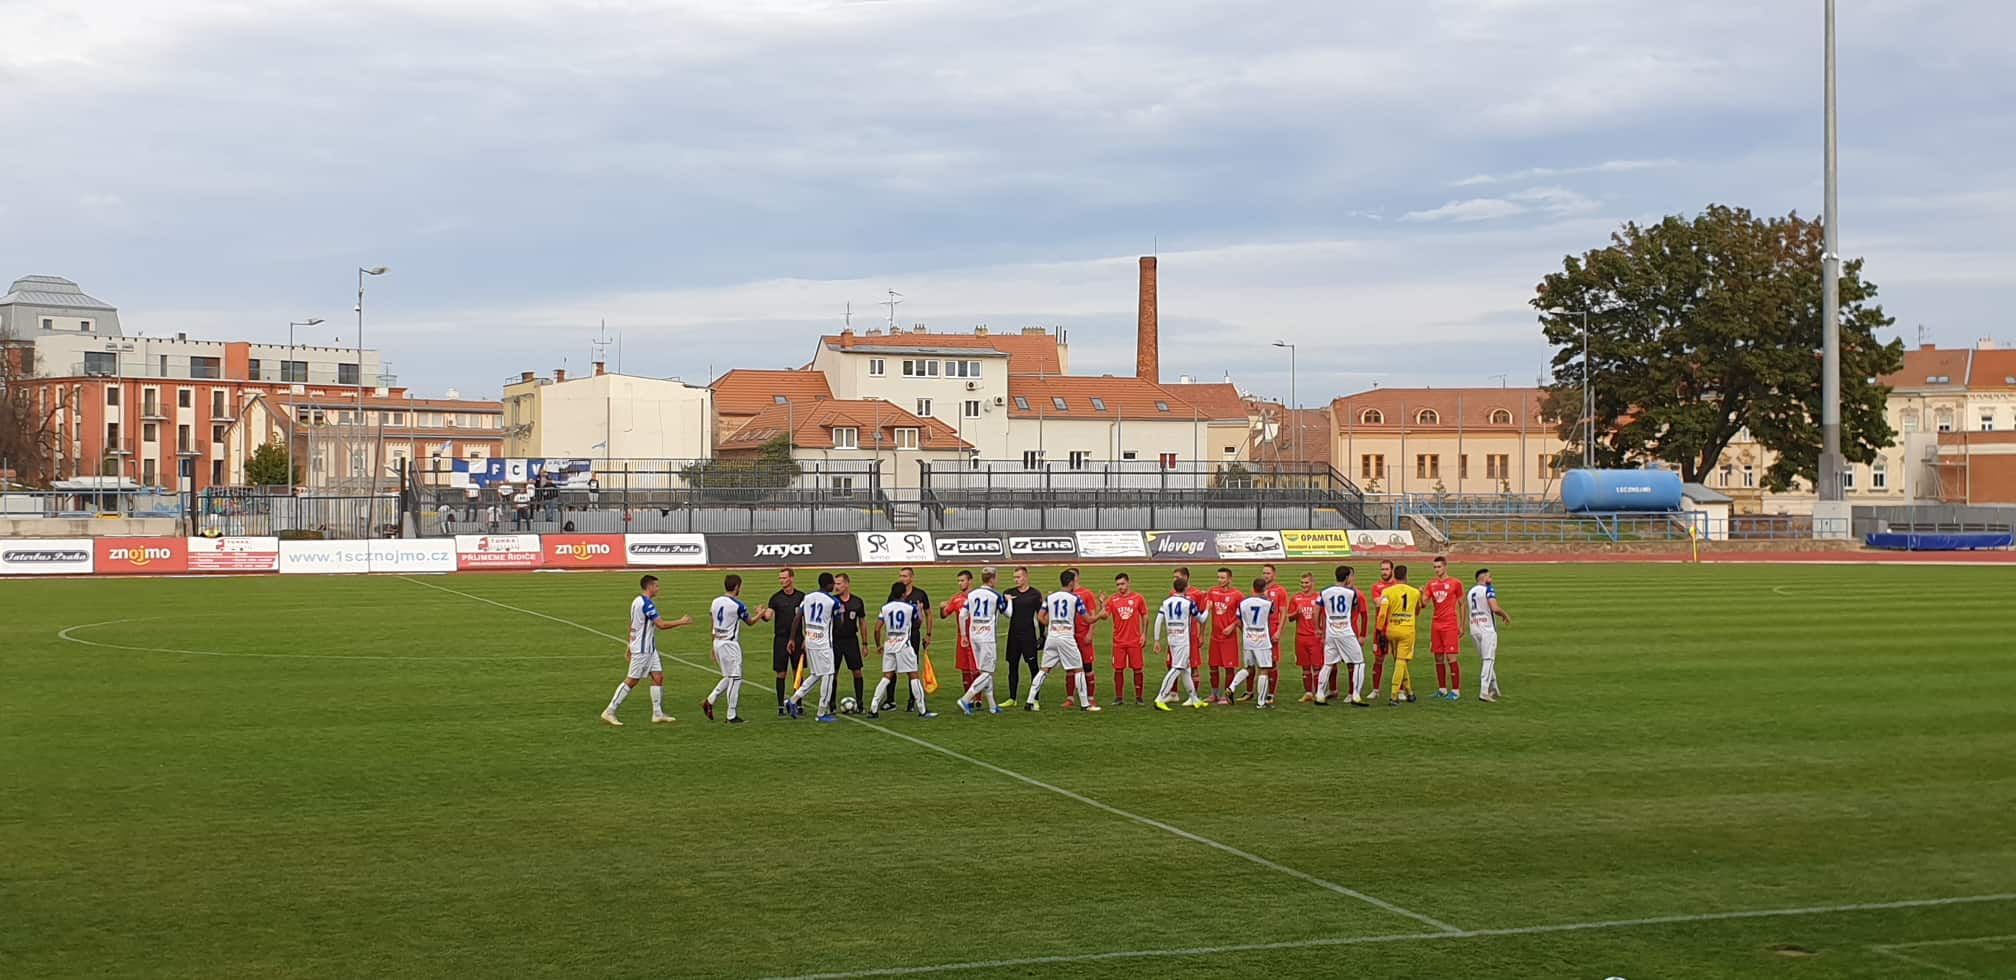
column 1119, row 684
column 1216, row 680
column 1441, row 673
column 1091, row 684
column 1455, row 673
column 1137, row 685
column 1378, row 672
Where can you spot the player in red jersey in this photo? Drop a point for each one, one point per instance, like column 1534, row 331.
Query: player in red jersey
column 1444, row 639
column 1081, row 630
column 1306, row 609
column 1128, row 610
column 963, row 651
column 1277, row 594
column 1223, row 601
column 1195, row 595
column 1379, row 651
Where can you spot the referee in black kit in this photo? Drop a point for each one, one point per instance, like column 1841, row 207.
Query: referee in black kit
column 787, row 644
column 1025, row 637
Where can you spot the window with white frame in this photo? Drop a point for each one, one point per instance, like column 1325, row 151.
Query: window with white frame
column 1879, row 474
column 1848, row 477
column 1098, row 403
column 1032, row 458
column 843, row 486
column 923, row 407
column 1749, row 475
column 1987, row 420
column 970, row 409
column 1911, row 421
column 1079, row 458
column 962, row 369
column 906, row 438
column 1943, row 420
column 877, row 367
column 846, row 437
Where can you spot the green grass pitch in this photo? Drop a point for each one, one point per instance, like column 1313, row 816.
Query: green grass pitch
column 343, row 777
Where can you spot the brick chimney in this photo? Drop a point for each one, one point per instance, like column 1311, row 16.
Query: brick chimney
column 559, row 375
column 525, row 377
column 1147, row 359
column 600, row 369
column 847, row 337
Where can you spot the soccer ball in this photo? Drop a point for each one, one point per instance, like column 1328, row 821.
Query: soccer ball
column 849, row 706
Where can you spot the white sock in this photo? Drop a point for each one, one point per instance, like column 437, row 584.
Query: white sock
column 657, row 700
column 1239, row 678
column 826, row 686
column 1488, row 681
column 719, row 689
column 1168, row 684
column 972, row 695
column 988, row 679
column 1357, row 672
column 622, row 691
column 1083, row 698
column 734, row 696
column 881, row 688
column 1036, row 683
column 804, row 688
column 917, row 691
column 1323, row 684
column 1262, row 682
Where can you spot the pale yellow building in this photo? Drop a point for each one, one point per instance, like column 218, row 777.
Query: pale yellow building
column 1446, row 440
column 603, row 415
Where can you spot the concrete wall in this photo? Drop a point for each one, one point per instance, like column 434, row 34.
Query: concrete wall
column 89, row 527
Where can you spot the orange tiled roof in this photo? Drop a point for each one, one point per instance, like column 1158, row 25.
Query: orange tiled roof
column 1215, row 399
column 1123, row 396
column 1481, row 408
column 748, row 392
column 1028, row 353
column 1922, row 364
column 813, row 426
column 1992, row 369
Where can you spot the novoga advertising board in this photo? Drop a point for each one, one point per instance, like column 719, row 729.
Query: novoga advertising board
column 46, row 556
column 476, row 552
column 665, row 549
column 234, row 554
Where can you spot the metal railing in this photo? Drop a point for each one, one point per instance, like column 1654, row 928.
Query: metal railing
column 144, row 502
column 619, row 495
column 1007, row 494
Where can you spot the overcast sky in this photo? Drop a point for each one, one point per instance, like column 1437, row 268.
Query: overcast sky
column 1381, row 183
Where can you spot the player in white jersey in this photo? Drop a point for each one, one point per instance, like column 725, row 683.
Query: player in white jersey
column 978, row 620
column 818, row 615
column 1484, row 614
column 1179, row 617
column 1256, row 643
column 892, row 632
column 1060, row 613
column 726, row 617
column 1343, row 607
column 645, row 622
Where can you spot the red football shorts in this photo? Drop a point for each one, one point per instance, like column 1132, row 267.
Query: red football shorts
column 1127, row 657
column 964, row 657
column 1309, row 652
column 1442, row 640
column 1086, row 650
column 1225, row 652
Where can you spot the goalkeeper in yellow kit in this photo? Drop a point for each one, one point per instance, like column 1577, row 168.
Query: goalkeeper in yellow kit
column 1399, row 607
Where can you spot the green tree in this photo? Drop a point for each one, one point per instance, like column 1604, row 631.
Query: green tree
column 772, row 468
column 1701, row 327
column 267, row 467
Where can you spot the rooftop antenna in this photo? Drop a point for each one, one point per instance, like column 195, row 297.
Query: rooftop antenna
column 894, row 299
column 1921, row 334
column 600, row 345
column 849, row 318
column 1501, row 379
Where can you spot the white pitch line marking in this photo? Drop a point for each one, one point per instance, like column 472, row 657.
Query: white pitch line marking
column 1444, row 927
column 1408, row 937
column 1891, row 950
column 67, row 633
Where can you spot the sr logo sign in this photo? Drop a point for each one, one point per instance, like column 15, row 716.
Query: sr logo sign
column 895, row 547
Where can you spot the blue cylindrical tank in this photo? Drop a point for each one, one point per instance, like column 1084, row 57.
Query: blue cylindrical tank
column 1609, row 490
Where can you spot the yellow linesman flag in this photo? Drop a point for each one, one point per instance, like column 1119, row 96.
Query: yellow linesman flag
column 930, row 676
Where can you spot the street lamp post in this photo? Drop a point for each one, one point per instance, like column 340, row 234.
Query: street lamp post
column 1294, row 404
column 1588, row 396
column 291, row 421
column 357, row 422
column 1831, row 462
